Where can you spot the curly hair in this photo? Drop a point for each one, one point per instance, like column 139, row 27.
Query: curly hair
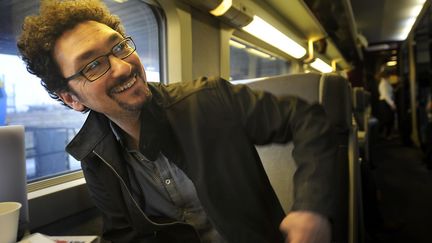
column 40, row 33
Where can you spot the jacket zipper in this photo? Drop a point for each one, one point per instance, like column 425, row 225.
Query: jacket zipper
column 135, row 202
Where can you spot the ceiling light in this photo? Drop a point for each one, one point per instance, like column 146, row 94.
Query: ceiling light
column 391, row 63
column 378, row 47
column 321, row 66
column 412, row 14
column 415, row 10
column 222, row 8
column 266, row 32
column 407, row 26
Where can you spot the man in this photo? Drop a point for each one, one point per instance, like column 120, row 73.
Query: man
column 387, row 105
column 176, row 163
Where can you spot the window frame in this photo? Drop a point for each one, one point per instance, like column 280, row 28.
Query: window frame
column 261, row 46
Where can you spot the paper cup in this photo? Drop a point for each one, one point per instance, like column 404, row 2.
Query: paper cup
column 9, row 214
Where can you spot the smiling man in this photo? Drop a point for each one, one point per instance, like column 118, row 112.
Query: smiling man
column 124, row 91
column 177, row 163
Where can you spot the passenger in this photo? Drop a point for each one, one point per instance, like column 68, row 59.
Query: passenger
column 177, row 163
column 387, row 105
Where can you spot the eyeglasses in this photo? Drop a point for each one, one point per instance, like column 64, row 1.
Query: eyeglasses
column 99, row 66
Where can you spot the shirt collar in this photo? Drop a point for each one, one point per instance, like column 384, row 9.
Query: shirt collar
column 118, row 133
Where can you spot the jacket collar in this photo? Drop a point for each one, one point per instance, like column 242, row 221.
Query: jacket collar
column 155, row 131
column 93, row 131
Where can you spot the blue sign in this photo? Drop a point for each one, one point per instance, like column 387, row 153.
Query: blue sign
column 3, row 99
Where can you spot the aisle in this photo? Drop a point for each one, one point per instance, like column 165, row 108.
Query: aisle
column 405, row 194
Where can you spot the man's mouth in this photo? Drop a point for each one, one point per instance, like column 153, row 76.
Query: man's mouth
column 125, row 86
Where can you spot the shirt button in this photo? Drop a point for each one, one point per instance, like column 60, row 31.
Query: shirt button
column 167, row 181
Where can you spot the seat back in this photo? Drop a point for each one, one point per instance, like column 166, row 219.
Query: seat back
column 360, row 106
column 367, row 124
column 333, row 92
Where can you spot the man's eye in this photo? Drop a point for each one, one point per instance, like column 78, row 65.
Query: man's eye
column 93, row 65
column 120, row 47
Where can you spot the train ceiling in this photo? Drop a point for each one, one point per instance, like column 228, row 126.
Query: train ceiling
column 382, row 21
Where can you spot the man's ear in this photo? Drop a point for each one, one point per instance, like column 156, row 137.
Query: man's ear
column 71, row 100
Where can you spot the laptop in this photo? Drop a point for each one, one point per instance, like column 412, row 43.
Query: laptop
column 13, row 183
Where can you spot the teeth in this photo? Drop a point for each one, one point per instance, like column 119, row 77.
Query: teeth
column 125, row 86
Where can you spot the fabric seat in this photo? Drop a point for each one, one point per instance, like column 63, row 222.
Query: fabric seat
column 368, row 125
column 333, row 92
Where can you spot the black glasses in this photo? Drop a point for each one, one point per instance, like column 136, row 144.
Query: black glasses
column 99, row 66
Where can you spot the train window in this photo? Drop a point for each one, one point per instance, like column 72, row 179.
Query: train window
column 48, row 125
column 247, row 61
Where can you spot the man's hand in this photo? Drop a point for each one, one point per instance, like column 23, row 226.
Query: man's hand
column 305, row 227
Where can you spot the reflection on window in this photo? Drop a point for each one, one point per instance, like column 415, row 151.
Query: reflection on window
column 49, row 126
column 248, row 62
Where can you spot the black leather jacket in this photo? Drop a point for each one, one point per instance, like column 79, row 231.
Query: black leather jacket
column 209, row 128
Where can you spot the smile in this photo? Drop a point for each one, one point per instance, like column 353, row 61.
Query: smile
column 125, row 86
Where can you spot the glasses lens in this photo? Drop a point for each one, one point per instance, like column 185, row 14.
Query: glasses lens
column 96, row 68
column 101, row 65
column 124, row 48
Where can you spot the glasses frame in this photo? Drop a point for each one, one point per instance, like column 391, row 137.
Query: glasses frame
column 80, row 72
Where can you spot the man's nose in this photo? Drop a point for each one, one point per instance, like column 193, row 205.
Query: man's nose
column 119, row 67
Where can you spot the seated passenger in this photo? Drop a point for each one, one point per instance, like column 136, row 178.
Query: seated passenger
column 177, row 163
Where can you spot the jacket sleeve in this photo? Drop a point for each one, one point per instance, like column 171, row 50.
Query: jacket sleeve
column 269, row 119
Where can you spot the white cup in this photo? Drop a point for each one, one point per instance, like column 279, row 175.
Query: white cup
column 9, row 214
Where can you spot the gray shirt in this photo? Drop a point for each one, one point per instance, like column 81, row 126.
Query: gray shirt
column 167, row 191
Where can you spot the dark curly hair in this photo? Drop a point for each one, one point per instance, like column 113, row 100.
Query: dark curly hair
column 40, row 33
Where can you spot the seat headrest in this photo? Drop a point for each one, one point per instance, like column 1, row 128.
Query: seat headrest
column 361, row 99
column 332, row 91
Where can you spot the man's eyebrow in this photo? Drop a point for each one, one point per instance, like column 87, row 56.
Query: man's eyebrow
column 91, row 53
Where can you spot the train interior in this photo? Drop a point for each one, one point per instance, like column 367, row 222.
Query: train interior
column 336, row 50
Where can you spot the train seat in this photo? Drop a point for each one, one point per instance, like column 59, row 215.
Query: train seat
column 333, row 92
column 361, row 106
column 367, row 124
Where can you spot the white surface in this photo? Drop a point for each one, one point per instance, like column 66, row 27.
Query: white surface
column 40, row 238
column 36, row 238
column 9, row 214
